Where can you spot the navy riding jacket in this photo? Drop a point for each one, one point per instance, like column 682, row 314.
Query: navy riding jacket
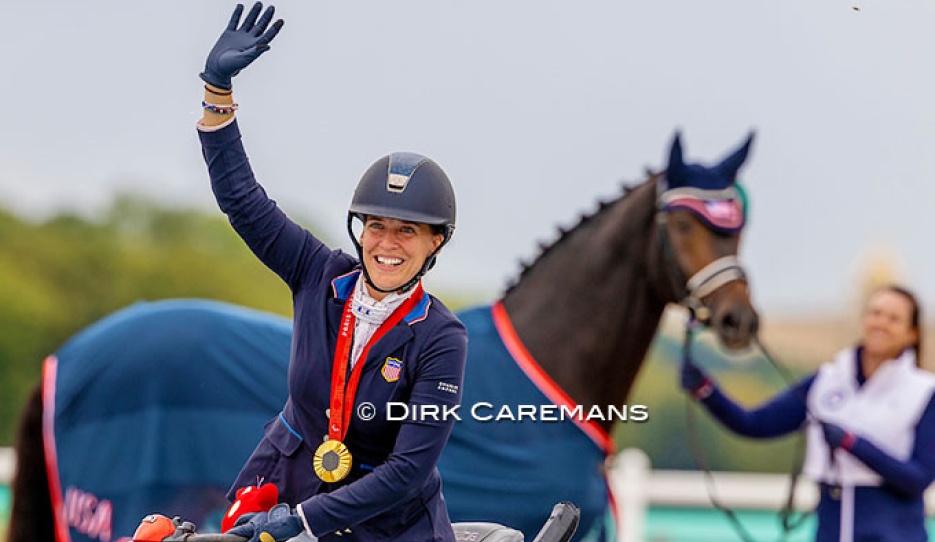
column 394, row 490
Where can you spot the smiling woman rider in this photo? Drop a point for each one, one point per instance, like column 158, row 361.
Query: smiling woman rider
column 365, row 335
column 394, row 249
column 869, row 417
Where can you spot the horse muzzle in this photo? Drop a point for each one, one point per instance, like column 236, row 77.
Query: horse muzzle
column 718, row 296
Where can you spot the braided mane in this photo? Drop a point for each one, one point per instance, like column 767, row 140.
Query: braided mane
column 564, row 233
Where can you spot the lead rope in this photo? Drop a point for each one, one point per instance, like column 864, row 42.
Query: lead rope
column 787, row 516
column 698, row 455
column 788, row 521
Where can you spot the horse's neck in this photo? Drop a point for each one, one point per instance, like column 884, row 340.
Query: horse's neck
column 587, row 309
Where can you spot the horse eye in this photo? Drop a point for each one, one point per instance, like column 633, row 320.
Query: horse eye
column 683, row 225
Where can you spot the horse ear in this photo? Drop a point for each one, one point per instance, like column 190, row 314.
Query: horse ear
column 675, row 172
column 729, row 166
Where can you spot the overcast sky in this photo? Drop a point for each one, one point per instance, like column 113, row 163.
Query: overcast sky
column 535, row 109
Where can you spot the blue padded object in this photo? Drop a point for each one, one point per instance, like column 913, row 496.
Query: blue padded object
column 157, row 407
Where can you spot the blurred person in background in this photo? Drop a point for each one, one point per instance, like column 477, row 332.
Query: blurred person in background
column 869, row 417
column 349, row 470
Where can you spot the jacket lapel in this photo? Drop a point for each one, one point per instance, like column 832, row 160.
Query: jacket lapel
column 334, row 310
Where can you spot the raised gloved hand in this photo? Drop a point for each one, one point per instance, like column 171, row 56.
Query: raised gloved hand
column 238, row 47
column 694, row 381
column 838, row 437
column 279, row 524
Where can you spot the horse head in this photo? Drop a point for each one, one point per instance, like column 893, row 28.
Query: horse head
column 701, row 214
column 574, row 330
column 587, row 308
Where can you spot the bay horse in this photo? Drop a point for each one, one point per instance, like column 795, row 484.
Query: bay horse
column 577, row 325
column 559, row 350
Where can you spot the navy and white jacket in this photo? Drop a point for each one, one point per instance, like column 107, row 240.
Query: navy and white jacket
column 874, row 491
column 394, row 489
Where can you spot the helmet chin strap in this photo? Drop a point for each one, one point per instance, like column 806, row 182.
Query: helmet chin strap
column 405, row 287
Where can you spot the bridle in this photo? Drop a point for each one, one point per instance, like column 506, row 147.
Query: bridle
column 691, row 291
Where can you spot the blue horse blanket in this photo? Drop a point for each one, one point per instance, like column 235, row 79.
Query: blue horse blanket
column 514, row 472
column 154, row 409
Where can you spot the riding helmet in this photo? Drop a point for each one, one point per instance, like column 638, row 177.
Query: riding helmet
column 410, row 187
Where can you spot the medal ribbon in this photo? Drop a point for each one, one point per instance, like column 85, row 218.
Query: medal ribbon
column 342, row 395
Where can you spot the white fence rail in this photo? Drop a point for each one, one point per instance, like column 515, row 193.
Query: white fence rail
column 638, row 487
column 7, row 464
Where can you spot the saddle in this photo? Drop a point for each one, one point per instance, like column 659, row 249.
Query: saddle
column 485, row 532
column 560, row 527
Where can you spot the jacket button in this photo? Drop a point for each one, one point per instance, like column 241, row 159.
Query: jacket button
column 328, row 413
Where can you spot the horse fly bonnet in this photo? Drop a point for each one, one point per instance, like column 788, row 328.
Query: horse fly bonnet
column 712, row 194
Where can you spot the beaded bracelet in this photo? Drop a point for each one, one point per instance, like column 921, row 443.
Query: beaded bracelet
column 704, row 390
column 225, row 109
column 849, row 440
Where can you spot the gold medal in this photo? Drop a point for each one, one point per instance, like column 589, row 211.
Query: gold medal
column 332, row 461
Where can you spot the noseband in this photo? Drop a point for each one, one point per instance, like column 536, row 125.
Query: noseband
column 692, row 290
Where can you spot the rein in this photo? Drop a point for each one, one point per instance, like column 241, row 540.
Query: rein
column 787, row 518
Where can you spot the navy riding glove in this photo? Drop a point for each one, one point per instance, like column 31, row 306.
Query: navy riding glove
column 246, row 518
column 694, row 381
column 238, row 47
column 838, row 437
column 249, row 525
column 280, row 523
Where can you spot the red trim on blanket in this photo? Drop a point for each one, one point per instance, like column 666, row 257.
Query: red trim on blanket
column 542, row 380
column 49, row 371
